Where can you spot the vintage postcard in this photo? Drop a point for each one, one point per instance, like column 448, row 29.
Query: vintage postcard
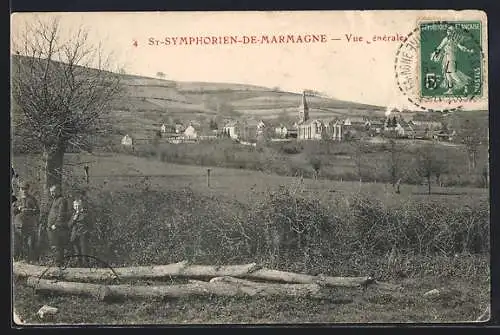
column 250, row 167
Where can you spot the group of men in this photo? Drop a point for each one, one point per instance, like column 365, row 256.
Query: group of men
column 66, row 229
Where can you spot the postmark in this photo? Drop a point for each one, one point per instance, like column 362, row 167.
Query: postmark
column 440, row 65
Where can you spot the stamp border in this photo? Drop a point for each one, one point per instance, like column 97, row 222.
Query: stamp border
column 479, row 94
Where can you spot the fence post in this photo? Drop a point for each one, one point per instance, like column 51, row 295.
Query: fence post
column 87, row 177
column 208, row 177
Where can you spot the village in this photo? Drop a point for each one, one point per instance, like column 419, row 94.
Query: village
column 303, row 128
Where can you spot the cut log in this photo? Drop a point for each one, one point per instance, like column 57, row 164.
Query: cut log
column 183, row 269
column 224, row 287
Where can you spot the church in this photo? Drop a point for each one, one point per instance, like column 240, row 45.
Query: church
column 315, row 129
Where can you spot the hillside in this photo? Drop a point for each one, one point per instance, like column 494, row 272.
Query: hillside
column 150, row 101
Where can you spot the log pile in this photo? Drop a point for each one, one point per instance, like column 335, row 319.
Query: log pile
column 231, row 280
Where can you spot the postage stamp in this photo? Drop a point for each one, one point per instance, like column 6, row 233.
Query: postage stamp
column 441, row 65
column 249, row 167
column 451, row 59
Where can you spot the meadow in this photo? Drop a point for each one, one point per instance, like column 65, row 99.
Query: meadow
column 347, row 161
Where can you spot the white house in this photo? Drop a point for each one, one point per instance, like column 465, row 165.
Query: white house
column 127, row 141
column 400, row 130
column 281, row 131
column 190, row 133
column 261, row 128
column 335, row 130
column 232, row 128
column 310, row 130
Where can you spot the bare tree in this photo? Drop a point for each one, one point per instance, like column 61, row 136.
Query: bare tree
column 395, row 162
column 360, row 150
column 61, row 90
column 160, row 74
column 429, row 164
column 471, row 138
column 316, row 165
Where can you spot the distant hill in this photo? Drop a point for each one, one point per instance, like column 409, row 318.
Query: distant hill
column 150, row 101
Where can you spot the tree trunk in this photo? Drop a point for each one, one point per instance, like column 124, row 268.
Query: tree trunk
column 221, row 287
column 429, row 184
column 474, row 154
column 182, row 269
column 53, row 166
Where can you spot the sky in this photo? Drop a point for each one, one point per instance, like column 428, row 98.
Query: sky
column 354, row 71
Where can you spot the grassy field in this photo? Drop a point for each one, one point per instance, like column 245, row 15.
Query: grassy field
column 116, row 172
column 461, row 302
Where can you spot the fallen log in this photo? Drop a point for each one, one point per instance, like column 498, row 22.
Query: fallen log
column 183, row 269
column 225, row 288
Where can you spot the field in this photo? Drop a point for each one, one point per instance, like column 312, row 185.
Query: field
column 136, row 190
column 116, row 172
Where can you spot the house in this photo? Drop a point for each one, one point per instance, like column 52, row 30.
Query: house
column 404, row 129
column 335, row 130
column 281, row 131
column 399, row 130
column 232, row 128
column 127, row 141
column 311, row 130
column 167, row 128
column 190, row 133
column 431, row 125
column 261, row 128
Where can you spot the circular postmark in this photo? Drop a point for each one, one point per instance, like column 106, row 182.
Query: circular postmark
column 440, row 65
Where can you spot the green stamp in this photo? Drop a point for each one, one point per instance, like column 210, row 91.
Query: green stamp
column 451, row 59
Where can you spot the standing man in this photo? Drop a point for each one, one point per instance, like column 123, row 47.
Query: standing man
column 13, row 186
column 87, row 177
column 57, row 225
column 26, row 218
column 79, row 231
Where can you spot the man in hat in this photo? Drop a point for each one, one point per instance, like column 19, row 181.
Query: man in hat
column 57, row 225
column 26, row 216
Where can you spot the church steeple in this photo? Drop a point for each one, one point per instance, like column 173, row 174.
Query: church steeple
column 303, row 109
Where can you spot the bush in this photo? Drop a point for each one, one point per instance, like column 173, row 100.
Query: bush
column 283, row 229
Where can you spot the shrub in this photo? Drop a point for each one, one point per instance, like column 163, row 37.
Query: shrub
column 283, row 228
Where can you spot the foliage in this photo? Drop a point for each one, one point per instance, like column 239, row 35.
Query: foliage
column 282, row 228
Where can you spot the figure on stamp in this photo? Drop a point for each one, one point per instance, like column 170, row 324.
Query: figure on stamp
column 454, row 79
column 57, row 225
column 26, row 215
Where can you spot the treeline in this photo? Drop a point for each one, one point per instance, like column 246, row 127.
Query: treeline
column 390, row 162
